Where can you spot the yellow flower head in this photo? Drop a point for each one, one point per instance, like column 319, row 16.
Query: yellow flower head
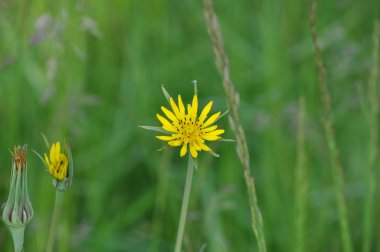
column 187, row 128
column 57, row 162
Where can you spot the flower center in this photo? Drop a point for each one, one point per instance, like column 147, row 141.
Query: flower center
column 188, row 129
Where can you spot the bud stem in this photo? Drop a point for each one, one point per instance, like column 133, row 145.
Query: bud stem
column 18, row 238
column 54, row 220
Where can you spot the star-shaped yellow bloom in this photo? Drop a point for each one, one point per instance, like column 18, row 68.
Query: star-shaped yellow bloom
column 187, row 129
column 57, row 162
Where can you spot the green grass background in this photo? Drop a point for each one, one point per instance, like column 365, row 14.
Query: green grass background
column 90, row 72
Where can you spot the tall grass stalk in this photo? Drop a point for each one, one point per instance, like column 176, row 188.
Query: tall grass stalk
column 301, row 183
column 185, row 204
column 336, row 165
column 222, row 63
column 373, row 143
column 54, row 221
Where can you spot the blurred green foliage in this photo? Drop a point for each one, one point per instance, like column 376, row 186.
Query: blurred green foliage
column 90, row 72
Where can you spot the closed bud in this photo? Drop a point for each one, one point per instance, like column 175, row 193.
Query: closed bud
column 17, row 211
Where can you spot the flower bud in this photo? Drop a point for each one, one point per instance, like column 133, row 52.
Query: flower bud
column 17, row 211
column 60, row 166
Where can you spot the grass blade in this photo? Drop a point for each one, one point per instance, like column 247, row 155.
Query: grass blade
column 222, row 64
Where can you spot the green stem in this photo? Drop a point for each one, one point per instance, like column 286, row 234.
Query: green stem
column 336, row 165
column 54, row 220
column 18, row 238
column 185, row 204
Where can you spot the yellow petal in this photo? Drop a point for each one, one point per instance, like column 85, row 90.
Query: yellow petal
column 211, row 120
column 166, row 125
column 204, row 113
column 175, row 143
column 200, row 141
column 205, row 147
column 165, row 138
column 183, row 150
column 46, row 159
column 63, row 166
column 53, row 172
column 181, row 106
column 196, row 146
column 189, row 110
column 215, row 132
column 194, row 106
column 169, row 114
column 177, row 135
column 210, row 137
column 170, row 128
column 58, row 148
column 53, row 153
column 174, row 108
column 193, row 152
column 212, row 128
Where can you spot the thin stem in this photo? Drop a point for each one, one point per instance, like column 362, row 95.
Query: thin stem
column 185, row 204
column 54, row 221
column 223, row 66
column 336, row 165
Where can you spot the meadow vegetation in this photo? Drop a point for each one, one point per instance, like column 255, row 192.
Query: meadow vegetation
column 90, row 72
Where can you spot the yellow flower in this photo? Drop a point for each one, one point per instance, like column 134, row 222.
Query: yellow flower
column 57, row 162
column 188, row 129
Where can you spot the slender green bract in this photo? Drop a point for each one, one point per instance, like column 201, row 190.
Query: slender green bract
column 185, row 204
